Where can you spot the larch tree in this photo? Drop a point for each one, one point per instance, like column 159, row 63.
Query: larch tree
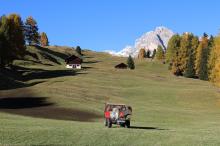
column 12, row 43
column 183, row 54
column 16, row 32
column 176, row 65
column 172, row 47
column 31, row 31
column 190, row 62
column 215, row 58
column 142, row 54
column 44, row 39
column 160, row 53
column 5, row 46
column 212, row 56
column 201, row 62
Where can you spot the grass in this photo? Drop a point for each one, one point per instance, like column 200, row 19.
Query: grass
column 167, row 110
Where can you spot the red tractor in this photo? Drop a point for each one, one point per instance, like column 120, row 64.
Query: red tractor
column 119, row 114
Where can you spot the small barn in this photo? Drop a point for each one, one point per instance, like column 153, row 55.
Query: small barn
column 73, row 62
column 121, row 66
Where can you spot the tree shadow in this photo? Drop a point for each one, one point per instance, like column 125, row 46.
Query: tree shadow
column 46, row 74
column 91, row 62
column 87, row 67
column 23, row 102
column 50, row 58
column 21, row 69
column 33, row 55
column 146, row 128
column 58, row 54
column 88, row 57
column 38, row 62
column 39, row 107
column 17, row 76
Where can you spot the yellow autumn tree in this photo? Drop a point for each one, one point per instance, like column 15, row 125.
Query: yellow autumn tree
column 183, row 53
column 142, row 54
column 215, row 55
column 17, row 40
column 44, row 39
column 202, row 58
column 160, row 53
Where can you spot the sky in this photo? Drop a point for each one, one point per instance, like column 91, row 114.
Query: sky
column 113, row 24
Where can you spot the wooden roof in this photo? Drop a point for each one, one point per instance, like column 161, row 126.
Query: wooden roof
column 121, row 65
column 73, row 60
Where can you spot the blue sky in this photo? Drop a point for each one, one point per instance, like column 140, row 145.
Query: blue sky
column 112, row 24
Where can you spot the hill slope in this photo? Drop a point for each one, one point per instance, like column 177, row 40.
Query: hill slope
column 65, row 107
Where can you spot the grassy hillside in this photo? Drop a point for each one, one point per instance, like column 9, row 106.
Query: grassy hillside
column 54, row 105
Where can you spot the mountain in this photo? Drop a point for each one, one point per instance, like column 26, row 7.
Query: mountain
column 149, row 40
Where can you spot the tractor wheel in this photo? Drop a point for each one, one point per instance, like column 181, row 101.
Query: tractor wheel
column 127, row 124
column 109, row 123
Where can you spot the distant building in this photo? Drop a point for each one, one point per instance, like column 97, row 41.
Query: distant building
column 121, row 66
column 73, row 62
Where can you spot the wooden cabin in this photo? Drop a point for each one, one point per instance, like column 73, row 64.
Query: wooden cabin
column 121, row 66
column 73, row 62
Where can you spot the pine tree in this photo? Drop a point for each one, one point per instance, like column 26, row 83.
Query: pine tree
column 160, row 53
column 154, row 53
column 172, row 47
column 31, row 31
column 79, row 50
column 148, row 54
column 142, row 54
column 44, row 39
column 130, row 62
column 201, row 62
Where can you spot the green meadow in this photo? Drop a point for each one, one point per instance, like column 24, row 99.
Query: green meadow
column 43, row 103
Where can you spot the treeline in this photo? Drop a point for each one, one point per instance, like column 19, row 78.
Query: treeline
column 15, row 34
column 158, row 53
column 194, row 57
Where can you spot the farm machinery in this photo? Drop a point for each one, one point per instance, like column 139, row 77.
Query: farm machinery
column 119, row 114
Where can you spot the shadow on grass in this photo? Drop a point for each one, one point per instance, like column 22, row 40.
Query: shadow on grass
column 46, row 74
column 91, row 62
column 146, row 128
column 58, row 54
column 38, row 62
column 23, row 102
column 46, row 54
column 50, row 58
column 87, row 67
column 88, row 57
column 17, row 76
column 40, row 107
